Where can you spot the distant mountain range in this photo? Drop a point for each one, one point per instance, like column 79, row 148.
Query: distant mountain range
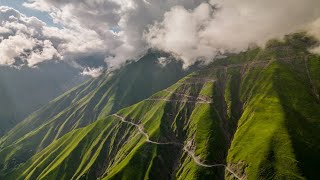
column 252, row 115
column 25, row 90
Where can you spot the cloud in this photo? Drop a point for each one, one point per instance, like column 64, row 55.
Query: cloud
column 228, row 25
column 314, row 30
column 93, row 72
column 179, row 33
column 46, row 53
column 119, row 24
column 15, row 36
column 13, row 47
column 29, row 41
column 163, row 61
column 124, row 30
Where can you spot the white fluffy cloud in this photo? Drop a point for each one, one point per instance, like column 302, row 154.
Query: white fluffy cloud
column 29, row 41
column 314, row 30
column 229, row 25
column 47, row 52
column 125, row 29
column 119, row 24
column 13, row 47
column 93, row 72
column 180, row 33
column 18, row 39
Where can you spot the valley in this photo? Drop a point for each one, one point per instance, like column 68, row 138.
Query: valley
column 252, row 115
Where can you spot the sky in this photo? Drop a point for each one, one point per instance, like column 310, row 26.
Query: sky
column 115, row 31
column 17, row 4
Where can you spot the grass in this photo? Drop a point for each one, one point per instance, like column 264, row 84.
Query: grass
column 84, row 104
column 263, row 123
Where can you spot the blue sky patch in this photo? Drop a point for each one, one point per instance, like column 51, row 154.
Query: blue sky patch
column 17, row 4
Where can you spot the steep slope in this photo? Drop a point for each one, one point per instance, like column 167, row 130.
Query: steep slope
column 24, row 90
column 139, row 141
column 87, row 103
column 254, row 115
column 278, row 132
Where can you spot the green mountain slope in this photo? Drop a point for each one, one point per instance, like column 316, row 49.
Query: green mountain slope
column 112, row 147
column 254, row 115
column 26, row 89
column 86, row 103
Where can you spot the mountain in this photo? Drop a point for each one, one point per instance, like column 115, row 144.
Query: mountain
column 25, row 90
column 252, row 115
column 86, row 103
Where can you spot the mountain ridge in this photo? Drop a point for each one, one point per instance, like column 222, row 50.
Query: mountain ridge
column 23, row 90
column 86, row 103
column 255, row 113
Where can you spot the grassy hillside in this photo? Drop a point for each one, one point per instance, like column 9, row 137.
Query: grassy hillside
column 86, row 103
column 253, row 115
column 111, row 148
column 25, row 90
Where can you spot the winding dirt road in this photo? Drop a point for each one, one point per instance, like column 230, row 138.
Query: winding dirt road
column 198, row 161
column 169, row 100
column 199, row 99
column 201, row 79
column 186, row 148
column 146, row 135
